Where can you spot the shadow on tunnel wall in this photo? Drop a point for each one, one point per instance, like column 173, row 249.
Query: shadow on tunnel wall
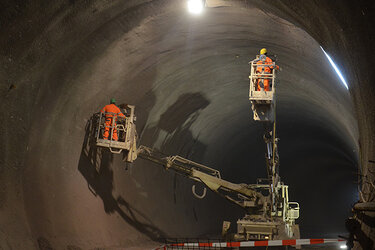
column 95, row 165
column 176, row 121
column 178, row 113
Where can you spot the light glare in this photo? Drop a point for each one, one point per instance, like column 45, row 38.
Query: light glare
column 195, row 6
column 343, row 247
column 336, row 69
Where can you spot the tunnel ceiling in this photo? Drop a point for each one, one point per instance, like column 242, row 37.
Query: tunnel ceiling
column 188, row 77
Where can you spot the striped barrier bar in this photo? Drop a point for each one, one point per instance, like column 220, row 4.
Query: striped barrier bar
column 291, row 242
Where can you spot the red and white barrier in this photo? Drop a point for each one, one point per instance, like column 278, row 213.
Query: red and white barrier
column 252, row 243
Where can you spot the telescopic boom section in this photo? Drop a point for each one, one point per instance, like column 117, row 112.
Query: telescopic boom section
column 240, row 194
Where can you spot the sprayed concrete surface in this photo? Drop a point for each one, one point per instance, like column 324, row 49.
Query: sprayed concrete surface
column 62, row 61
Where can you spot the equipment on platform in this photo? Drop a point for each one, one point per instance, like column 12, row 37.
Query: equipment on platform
column 126, row 131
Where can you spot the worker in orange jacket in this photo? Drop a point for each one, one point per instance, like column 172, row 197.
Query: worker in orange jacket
column 264, row 83
column 111, row 112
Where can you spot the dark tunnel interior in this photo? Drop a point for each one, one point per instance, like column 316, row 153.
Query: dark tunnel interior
column 187, row 75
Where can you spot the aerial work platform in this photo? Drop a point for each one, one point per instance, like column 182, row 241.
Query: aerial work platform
column 122, row 128
column 262, row 100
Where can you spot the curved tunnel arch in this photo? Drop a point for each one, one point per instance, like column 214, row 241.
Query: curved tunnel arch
column 187, row 76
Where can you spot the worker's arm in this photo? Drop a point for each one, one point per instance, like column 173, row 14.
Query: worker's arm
column 275, row 66
column 120, row 114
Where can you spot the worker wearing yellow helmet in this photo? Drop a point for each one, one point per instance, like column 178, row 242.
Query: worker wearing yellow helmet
column 264, row 60
column 263, row 51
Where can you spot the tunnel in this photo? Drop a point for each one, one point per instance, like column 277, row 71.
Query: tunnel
column 187, row 75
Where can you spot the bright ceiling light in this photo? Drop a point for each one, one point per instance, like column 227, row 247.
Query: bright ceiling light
column 195, row 6
column 336, row 69
column 343, row 247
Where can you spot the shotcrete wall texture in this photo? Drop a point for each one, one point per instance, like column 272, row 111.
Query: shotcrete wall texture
column 61, row 61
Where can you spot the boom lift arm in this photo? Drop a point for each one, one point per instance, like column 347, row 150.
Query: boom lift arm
column 241, row 194
column 263, row 219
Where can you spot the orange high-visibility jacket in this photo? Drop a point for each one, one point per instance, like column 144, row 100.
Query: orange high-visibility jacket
column 111, row 110
column 266, row 68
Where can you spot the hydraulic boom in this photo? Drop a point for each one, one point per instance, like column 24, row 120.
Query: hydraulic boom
column 259, row 222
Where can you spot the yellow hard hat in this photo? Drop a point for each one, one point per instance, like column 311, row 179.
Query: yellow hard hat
column 263, row 51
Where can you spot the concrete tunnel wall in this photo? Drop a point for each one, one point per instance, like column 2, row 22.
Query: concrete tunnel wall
column 187, row 76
